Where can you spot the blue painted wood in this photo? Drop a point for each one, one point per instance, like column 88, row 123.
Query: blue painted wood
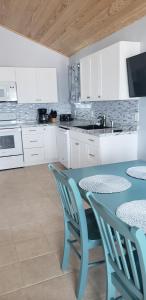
column 125, row 253
column 112, row 201
column 75, row 225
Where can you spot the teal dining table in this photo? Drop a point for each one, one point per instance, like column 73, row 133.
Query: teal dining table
column 136, row 192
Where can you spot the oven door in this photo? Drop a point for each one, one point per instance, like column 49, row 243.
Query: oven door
column 10, row 142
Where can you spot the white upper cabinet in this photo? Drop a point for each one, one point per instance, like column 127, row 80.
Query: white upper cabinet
column 26, row 85
column 85, row 71
column 110, row 72
column 46, row 80
column 104, row 73
column 95, row 76
column 7, row 74
column 114, row 70
column 36, row 85
column 90, row 67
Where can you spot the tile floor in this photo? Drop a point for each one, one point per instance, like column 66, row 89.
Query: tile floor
column 31, row 241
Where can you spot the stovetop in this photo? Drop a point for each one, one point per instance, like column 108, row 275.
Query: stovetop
column 8, row 120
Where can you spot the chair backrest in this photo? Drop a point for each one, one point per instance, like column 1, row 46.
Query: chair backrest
column 71, row 200
column 125, row 251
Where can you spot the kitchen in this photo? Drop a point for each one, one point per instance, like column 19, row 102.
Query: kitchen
column 73, row 108
column 119, row 140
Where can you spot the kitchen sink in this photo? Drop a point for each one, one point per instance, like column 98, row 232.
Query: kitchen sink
column 91, row 127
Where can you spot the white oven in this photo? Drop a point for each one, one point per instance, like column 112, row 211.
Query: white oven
column 10, row 142
column 8, row 91
column 11, row 151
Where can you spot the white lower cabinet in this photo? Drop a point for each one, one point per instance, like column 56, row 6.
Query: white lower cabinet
column 118, row 148
column 87, row 150
column 84, row 150
column 33, row 156
column 76, row 153
column 39, row 144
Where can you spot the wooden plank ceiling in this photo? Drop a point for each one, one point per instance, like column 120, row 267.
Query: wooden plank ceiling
column 69, row 25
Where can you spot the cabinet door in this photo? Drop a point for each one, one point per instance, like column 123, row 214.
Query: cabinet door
column 7, row 74
column 85, row 72
column 118, row 148
column 50, row 146
column 95, row 77
column 75, row 149
column 63, row 146
column 110, row 72
column 46, row 81
column 92, row 156
column 26, row 85
column 77, row 154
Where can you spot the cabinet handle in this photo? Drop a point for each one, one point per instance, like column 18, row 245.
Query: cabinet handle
column 33, row 141
column 90, row 140
column 35, row 154
column 77, row 144
column 88, row 97
column 92, row 155
column 32, row 130
column 99, row 96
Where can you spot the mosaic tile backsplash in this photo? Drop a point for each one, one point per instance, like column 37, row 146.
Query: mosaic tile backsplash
column 28, row 112
column 123, row 113
column 120, row 112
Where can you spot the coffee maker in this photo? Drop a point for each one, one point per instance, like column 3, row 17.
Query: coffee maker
column 42, row 115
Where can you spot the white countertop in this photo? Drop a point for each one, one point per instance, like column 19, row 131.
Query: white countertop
column 104, row 132
column 34, row 124
column 97, row 132
column 94, row 132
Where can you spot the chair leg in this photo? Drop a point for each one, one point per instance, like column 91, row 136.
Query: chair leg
column 66, row 251
column 83, row 274
column 110, row 289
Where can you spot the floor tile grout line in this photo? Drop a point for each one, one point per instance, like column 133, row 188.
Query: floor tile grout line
column 28, row 259
column 34, row 284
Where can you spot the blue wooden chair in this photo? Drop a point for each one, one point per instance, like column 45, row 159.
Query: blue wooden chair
column 80, row 226
column 125, row 254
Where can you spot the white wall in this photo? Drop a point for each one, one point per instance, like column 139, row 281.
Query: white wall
column 16, row 50
column 142, row 130
column 134, row 32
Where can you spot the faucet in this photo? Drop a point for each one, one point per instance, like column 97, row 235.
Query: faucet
column 102, row 120
column 112, row 123
column 92, row 117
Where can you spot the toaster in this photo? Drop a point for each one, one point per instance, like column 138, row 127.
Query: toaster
column 66, row 118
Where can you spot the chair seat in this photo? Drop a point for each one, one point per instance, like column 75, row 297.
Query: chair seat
column 93, row 230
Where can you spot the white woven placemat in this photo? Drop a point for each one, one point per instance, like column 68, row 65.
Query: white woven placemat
column 137, row 172
column 104, row 184
column 133, row 213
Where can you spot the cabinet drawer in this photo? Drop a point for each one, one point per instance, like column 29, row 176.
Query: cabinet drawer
column 93, row 157
column 32, row 141
column 84, row 137
column 33, row 156
column 32, row 130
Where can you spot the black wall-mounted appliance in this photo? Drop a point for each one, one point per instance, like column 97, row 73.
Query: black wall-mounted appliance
column 136, row 68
